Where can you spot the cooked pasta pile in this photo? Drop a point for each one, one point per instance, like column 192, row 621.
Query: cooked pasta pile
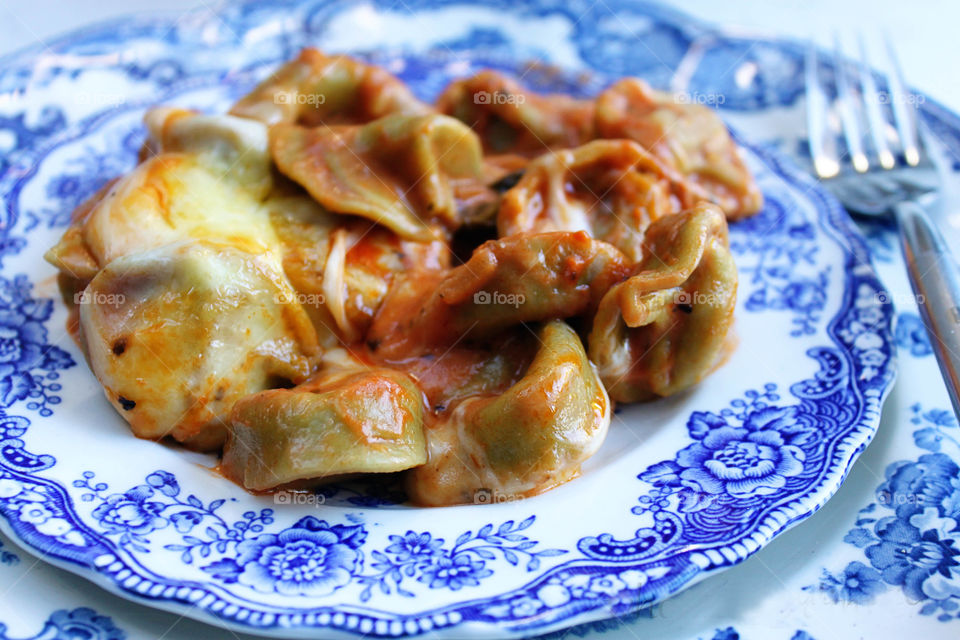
column 337, row 278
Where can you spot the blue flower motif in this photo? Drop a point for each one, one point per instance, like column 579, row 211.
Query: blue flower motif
column 933, row 480
column 35, row 513
column 778, row 284
column 24, row 349
column 701, row 422
column 726, row 634
column 185, row 521
column 84, row 623
column 22, row 343
column 907, row 556
column 311, row 559
column 937, row 417
column 918, row 547
column 858, row 584
column 72, row 189
column 525, row 606
column 454, row 573
column 421, row 556
column 69, row 190
column 740, row 462
column 928, row 438
column 131, row 512
column 8, row 557
column 911, row 335
column 934, row 427
column 777, row 418
column 804, row 296
column 414, row 546
column 164, row 482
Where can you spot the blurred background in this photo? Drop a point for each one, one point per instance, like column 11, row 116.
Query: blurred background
column 924, row 31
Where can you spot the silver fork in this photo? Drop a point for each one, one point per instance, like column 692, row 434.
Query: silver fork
column 876, row 182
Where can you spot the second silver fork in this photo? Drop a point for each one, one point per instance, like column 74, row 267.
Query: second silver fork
column 872, row 179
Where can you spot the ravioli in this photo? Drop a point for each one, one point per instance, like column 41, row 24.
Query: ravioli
column 342, row 267
column 185, row 253
column 317, row 89
column 337, row 278
column 411, row 174
column 689, row 137
column 357, row 420
column 183, row 331
column 512, row 120
column 530, row 438
column 611, row 189
column 664, row 329
column 518, row 279
column 205, row 178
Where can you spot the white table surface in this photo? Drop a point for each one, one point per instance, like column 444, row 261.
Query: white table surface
column 924, row 32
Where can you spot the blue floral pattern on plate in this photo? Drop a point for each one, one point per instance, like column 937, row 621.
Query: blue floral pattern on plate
column 911, row 336
column 8, row 557
column 75, row 624
column 311, row 557
column 910, row 536
column 29, row 365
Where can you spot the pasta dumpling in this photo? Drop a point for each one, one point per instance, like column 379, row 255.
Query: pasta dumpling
column 198, row 310
column 278, row 283
column 234, row 148
column 529, row 438
column 511, row 120
column 356, row 420
column 689, row 137
column 611, row 189
column 520, row 278
column 177, row 334
column 342, row 267
column 319, row 89
column 663, row 329
column 205, row 179
column 411, row 174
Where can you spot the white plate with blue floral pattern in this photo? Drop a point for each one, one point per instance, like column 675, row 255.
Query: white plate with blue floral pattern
column 647, row 518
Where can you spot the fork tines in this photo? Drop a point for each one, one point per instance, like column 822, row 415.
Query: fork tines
column 870, row 141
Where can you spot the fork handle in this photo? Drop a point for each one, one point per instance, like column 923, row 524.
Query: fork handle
column 935, row 279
